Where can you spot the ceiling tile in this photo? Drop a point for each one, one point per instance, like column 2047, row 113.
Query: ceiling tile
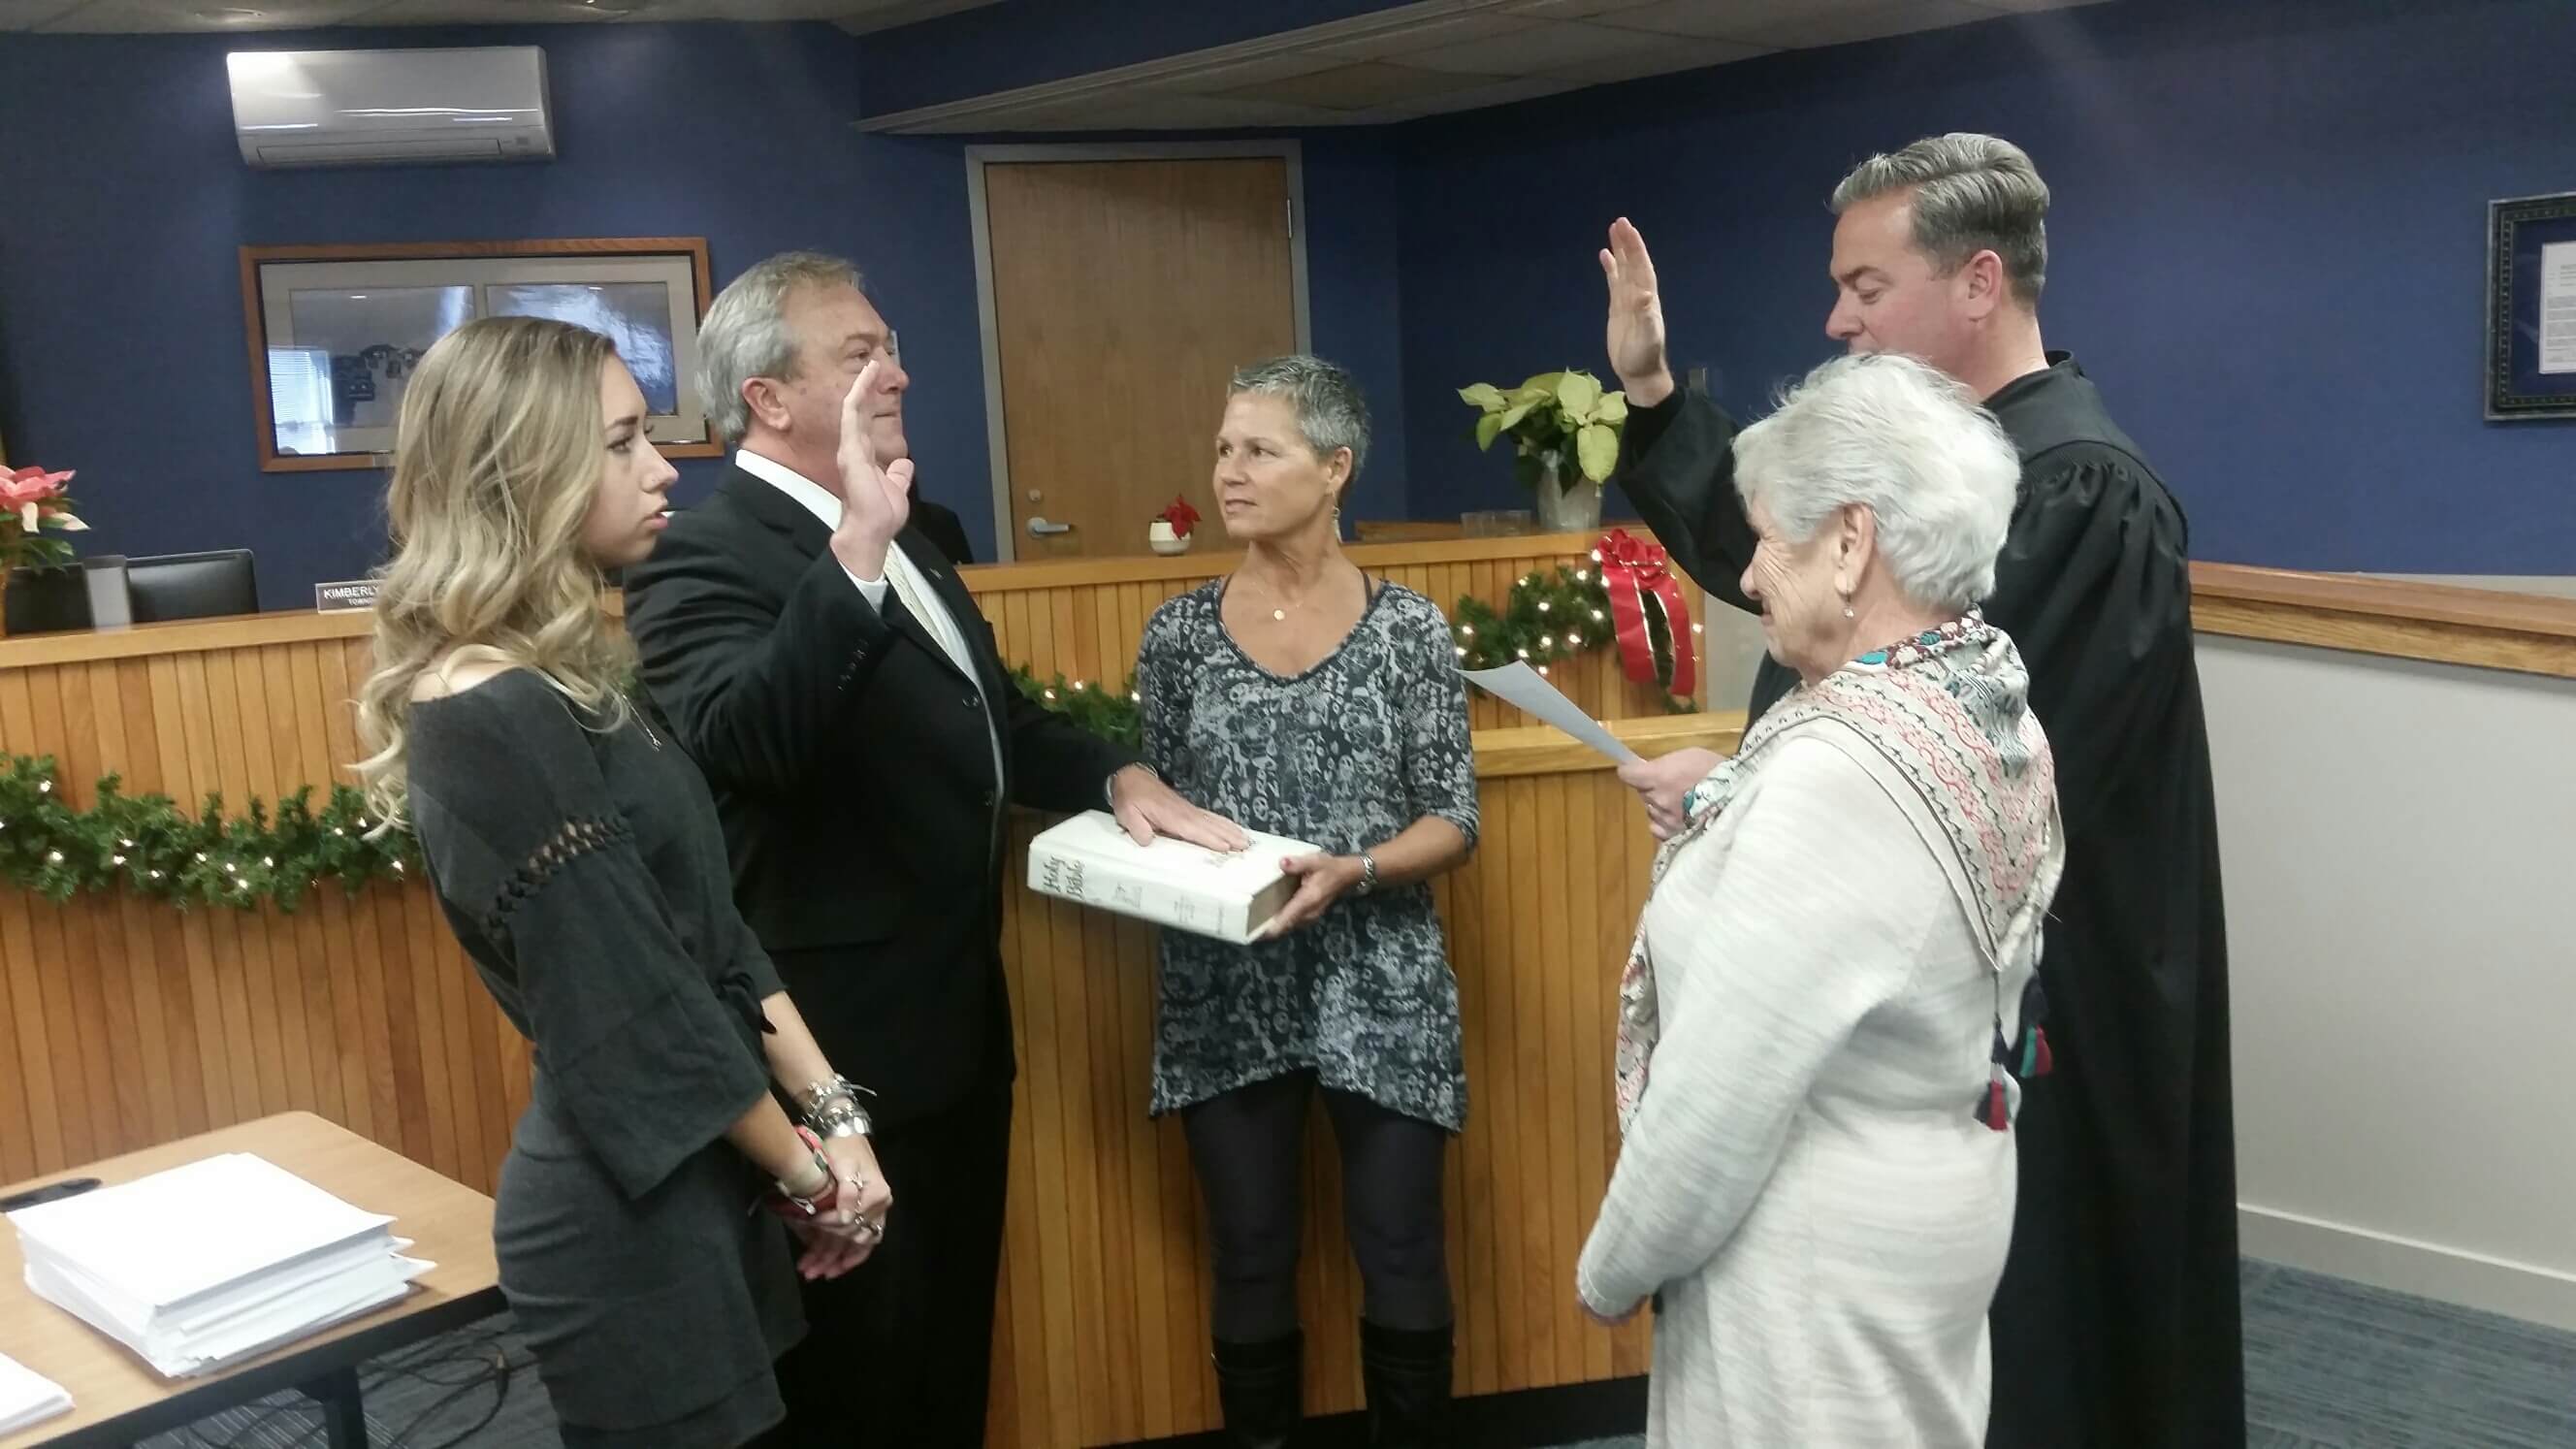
column 1676, row 54
column 499, row 12
column 1499, row 93
column 1234, row 75
column 1552, row 45
column 1844, row 24
column 1418, row 35
column 860, row 17
column 125, row 17
column 30, row 14
column 1694, row 17
column 1358, row 87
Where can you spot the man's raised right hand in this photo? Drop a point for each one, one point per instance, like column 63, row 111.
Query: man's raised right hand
column 1636, row 330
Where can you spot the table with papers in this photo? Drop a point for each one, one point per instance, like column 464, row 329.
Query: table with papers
column 276, row 1254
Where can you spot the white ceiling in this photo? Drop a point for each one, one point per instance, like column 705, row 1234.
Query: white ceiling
column 128, row 16
column 1438, row 56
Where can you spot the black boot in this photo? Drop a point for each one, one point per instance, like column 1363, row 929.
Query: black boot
column 1407, row 1372
column 1258, row 1387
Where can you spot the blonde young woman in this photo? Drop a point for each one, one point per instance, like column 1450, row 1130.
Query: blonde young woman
column 576, row 854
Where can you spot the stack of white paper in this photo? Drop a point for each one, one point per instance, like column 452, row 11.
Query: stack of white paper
column 203, row 1265
column 27, row 1397
column 1229, row 895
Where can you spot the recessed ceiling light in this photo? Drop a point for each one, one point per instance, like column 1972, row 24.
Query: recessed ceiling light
column 230, row 15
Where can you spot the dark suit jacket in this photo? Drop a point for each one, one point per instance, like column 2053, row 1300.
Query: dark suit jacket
column 852, row 768
column 942, row 527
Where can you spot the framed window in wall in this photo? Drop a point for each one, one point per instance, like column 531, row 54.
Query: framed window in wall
column 2531, row 307
column 335, row 331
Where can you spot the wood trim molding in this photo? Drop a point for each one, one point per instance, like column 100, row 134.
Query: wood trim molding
column 1198, row 564
column 2438, row 623
column 1545, row 750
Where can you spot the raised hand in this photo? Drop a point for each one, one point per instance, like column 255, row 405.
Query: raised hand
column 1635, row 334
column 875, row 500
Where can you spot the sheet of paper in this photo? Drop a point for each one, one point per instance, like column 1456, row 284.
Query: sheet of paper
column 2558, row 308
column 1519, row 684
column 27, row 1397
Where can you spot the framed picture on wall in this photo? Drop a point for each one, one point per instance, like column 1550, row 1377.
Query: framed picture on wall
column 2531, row 307
column 335, row 331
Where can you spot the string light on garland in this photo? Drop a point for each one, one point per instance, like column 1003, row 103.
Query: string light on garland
column 1525, row 627
column 145, row 843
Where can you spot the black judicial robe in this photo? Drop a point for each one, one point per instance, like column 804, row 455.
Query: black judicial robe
column 2118, row 1319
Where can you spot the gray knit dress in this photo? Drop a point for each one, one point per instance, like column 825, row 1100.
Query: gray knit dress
column 584, row 873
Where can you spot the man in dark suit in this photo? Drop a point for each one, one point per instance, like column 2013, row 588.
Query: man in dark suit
column 944, row 529
column 832, row 677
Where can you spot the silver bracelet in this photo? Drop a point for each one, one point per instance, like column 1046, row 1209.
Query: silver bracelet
column 1368, row 873
column 832, row 1109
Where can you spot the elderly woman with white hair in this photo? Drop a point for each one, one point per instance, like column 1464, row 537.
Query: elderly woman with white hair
column 1831, row 996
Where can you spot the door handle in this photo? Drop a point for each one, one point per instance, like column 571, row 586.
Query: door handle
column 1040, row 528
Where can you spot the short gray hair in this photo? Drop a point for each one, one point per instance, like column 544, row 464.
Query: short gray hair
column 1909, row 443
column 1331, row 413
column 1972, row 193
column 745, row 332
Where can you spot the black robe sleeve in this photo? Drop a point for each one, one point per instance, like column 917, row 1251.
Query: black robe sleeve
column 539, row 870
column 1677, row 464
column 2094, row 585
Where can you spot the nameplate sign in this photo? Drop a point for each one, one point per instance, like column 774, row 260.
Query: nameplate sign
column 336, row 598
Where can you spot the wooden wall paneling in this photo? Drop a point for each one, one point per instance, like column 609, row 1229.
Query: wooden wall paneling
column 205, row 1096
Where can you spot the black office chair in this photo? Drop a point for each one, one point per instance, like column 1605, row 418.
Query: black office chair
column 191, row 585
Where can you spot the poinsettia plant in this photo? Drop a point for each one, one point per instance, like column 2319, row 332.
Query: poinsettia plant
column 1181, row 516
column 33, row 500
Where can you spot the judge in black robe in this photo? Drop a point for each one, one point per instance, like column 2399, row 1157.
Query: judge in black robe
column 2118, row 1320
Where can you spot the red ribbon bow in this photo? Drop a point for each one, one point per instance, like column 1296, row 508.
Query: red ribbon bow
column 1631, row 570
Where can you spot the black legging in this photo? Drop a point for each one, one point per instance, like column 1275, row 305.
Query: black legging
column 1246, row 1146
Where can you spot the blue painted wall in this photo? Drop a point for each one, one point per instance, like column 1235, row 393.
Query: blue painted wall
column 122, row 351
column 2267, row 245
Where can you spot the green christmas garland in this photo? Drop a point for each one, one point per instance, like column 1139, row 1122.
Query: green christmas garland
column 1551, row 617
column 147, row 845
column 278, row 856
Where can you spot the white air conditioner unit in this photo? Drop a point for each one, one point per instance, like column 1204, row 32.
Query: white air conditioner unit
column 390, row 107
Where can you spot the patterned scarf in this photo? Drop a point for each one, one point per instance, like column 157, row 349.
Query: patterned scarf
column 1949, row 709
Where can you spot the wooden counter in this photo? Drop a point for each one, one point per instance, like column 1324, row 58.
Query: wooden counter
column 129, row 1023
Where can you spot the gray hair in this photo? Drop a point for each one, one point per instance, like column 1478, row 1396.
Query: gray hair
column 745, row 333
column 1905, row 441
column 1331, row 413
column 1972, row 193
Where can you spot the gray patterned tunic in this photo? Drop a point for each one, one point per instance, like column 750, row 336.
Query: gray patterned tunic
column 1346, row 755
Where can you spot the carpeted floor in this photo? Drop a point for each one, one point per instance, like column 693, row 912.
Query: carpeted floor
column 2329, row 1364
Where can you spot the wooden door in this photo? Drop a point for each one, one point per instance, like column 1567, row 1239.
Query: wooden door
column 1124, row 295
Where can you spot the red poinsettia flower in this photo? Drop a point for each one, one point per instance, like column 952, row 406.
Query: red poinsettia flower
column 35, row 497
column 30, row 485
column 1181, row 516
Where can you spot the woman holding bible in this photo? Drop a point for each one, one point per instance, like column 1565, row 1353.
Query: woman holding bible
column 1299, row 697
column 575, row 852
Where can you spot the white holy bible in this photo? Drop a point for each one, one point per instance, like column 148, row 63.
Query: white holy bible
column 1089, row 859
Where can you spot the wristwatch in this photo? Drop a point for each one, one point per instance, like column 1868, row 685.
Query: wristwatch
column 1368, row 874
